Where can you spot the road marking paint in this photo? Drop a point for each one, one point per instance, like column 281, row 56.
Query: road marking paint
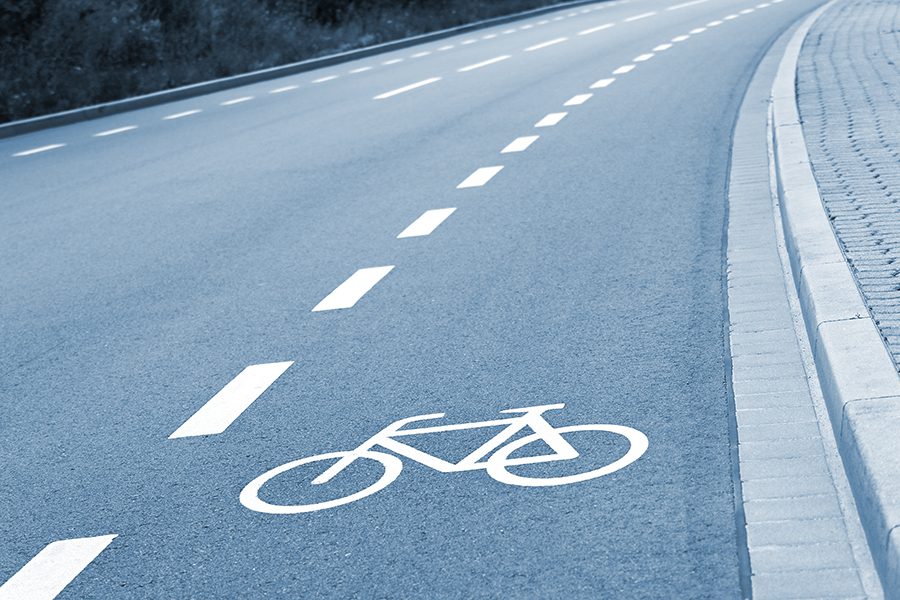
column 643, row 57
column 421, row 54
column 524, row 27
column 483, row 63
column 602, row 83
column 546, row 44
column 697, row 30
column 777, row 1
column 427, row 223
column 662, row 47
column 551, row 119
column 393, row 61
column 681, row 38
column 236, row 101
column 763, row 5
column 53, row 568
column 640, row 16
column 186, row 113
column 578, row 100
column 519, row 144
column 544, row 22
column 445, row 48
column 115, row 131
column 730, row 17
column 572, row 14
column 489, row 36
column 407, row 88
column 360, row 70
column 232, row 400
column 479, row 177
column 686, row 4
column 558, row 18
column 508, row 31
column 38, row 149
column 585, row 11
column 746, row 11
column 714, row 23
column 624, row 69
column 467, row 42
column 286, row 88
column 349, row 293
column 324, row 79
column 596, row 29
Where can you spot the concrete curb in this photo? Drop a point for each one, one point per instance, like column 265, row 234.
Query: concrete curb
column 206, row 87
column 858, row 379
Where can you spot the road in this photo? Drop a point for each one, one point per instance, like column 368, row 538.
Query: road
column 144, row 269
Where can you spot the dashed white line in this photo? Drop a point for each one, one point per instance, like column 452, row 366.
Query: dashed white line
column 558, row 18
column 46, row 575
column 407, row 88
column 355, row 287
column 524, row 27
column 546, row 44
column 426, row 223
column 643, row 57
column 286, row 88
column 508, row 31
column 572, row 14
column 746, row 11
column 697, row 30
column 714, row 23
column 236, row 101
column 731, row 17
column 479, row 177
column 180, row 115
column 680, row 38
column 393, row 61
column 467, row 42
column 520, row 144
column 662, row 47
column 624, row 69
column 602, row 83
column 421, row 54
column 596, row 29
column 686, row 4
column 324, row 79
column 551, row 119
column 232, row 400
column 489, row 36
column 544, row 22
column 578, row 100
column 445, row 48
column 360, row 70
column 763, row 5
column 39, row 149
column 115, row 131
column 483, row 63
column 640, row 16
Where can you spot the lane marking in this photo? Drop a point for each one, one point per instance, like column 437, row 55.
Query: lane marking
column 53, row 568
column 115, row 131
column 508, row 31
column 746, row 11
column 421, row 54
column 680, row 38
column 393, row 61
column 544, row 22
column 447, row 47
column 546, row 44
column 180, row 115
column 551, row 119
column 763, row 5
column 731, row 17
column 236, row 101
column 558, row 18
column 467, row 42
column 479, row 177
column 286, row 88
column 519, row 144
column 623, row 69
column 427, row 223
column 324, row 79
column 39, row 149
column 602, row 83
column 407, row 88
column 232, row 400
column 697, row 30
column 349, row 293
column 662, row 47
column 524, row 27
column 596, row 29
column 640, row 16
column 489, row 36
column 360, row 70
column 714, row 23
column 484, row 63
column 572, row 14
column 643, row 57
column 578, row 100
column 686, row 4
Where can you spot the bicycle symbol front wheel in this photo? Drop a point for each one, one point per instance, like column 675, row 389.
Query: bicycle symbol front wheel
column 497, row 463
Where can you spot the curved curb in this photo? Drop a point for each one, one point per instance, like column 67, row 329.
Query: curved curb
column 859, row 381
column 215, row 85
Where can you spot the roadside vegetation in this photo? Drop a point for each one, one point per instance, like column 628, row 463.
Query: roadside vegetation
column 61, row 54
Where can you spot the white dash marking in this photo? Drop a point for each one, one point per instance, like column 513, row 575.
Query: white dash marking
column 445, row 48
column 578, row 100
column 360, row 70
column 324, row 79
column 479, row 177
column 53, row 568
column 508, row 31
column 560, row 18
column 602, row 83
column 407, row 88
column 686, row 4
column 236, row 101
column 643, row 57
column 596, row 29
column 551, row 119
column 232, row 400
column 585, row 11
column 524, row 27
column 546, row 44
column 572, row 14
column 349, row 293
column 746, row 11
column 115, row 131
column 714, row 23
column 38, row 149
column 489, row 36
column 640, row 16
column 662, row 47
column 624, row 69
column 180, row 115
column 680, row 38
column 284, row 89
column 731, row 17
column 544, row 22
column 763, row 5
column 467, row 42
column 427, row 223
column 393, row 61
column 421, row 54
column 697, row 30
column 519, row 144
column 483, row 63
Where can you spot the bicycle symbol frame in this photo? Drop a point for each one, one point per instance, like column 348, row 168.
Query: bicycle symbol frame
column 496, row 464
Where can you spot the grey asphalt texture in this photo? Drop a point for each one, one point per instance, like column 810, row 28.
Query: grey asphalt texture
column 142, row 272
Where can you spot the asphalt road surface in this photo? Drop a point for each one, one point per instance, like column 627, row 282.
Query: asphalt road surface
column 149, row 258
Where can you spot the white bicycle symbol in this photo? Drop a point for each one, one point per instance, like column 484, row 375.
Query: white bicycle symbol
column 496, row 465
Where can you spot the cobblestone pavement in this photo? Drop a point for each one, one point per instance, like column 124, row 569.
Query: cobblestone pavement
column 849, row 97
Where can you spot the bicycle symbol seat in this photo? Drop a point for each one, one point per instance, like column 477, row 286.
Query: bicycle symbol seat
column 496, row 464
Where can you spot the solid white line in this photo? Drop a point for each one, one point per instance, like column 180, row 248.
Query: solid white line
column 115, row 131
column 551, row 119
column 686, row 4
column 407, row 88
column 681, row 38
column 546, row 44
column 519, row 144
column 360, row 70
column 236, row 101
column 186, row 113
column 483, row 63
column 286, row 88
column 427, row 223
column 643, row 57
column 596, row 29
column 578, row 100
column 640, row 16
column 53, row 568
column 623, row 69
column 393, row 61
column 232, row 400
column 348, row 293
column 714, row 23
column 697, row 30
column 602, row 83
column 39, row 149
column 662, row 47
column 479, row 177
column 324, row 79
column 421, row 54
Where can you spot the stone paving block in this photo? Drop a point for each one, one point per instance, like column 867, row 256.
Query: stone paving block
column 780, row 431
column 792, row 533
column 823, row 556
column 807, row 585
column 780, row 449
column 774, row 400
column 785, row 467
column 784, row 509
column 774, row 415
column 787, row 487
